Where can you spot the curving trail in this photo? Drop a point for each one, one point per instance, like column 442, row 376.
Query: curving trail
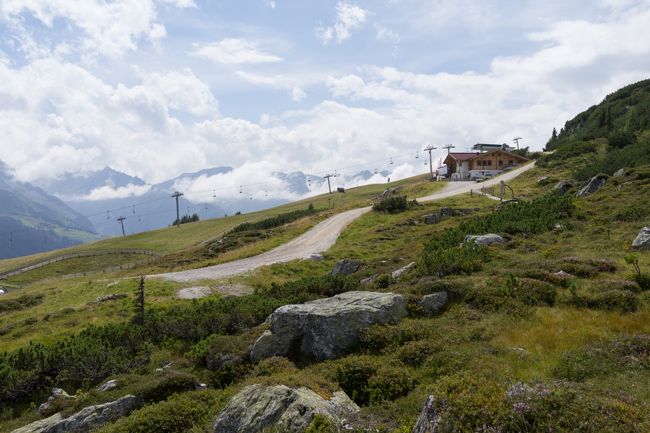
column 318, row 239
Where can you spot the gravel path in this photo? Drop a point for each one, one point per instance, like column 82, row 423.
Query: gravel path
column 320, row 238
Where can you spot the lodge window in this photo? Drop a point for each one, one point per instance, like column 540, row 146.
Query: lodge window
column 500, row 162
column 511, row 162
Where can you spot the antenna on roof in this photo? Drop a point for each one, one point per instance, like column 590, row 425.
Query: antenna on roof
column 516, row 140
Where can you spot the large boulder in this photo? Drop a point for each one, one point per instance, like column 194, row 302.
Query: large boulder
column 592, row 185
column 257, row 407
column 563, row 186
column 486, row 239
column 642, row 241
column 326, row 328
column 432, row 218
column 434, row 303
column 87, row 419
column 346, row 267
column 429, row 419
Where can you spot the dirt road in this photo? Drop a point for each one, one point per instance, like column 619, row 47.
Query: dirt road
column 320, row 238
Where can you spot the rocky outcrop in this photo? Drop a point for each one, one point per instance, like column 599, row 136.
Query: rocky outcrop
column 486, row 239
column 41, row 425
column 401, row 271
column 434, row 303
column 619, row 173
column 257, row 407
column 326, row 328
column 346, row 267
column 87, row 419
column 592, row 185
column 563, row 186
column 429, row 418
column 642, row 241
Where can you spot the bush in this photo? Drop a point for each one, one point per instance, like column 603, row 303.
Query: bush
column 178, row 414
column 167, row 383
column 490, row 299
column 309, row 288
column 366, row 382
column 534, row 292
column 463, row 259
column 414, row 353
column 20, row 303
column 643, row 280
column 614, row 300
column 605, row 358
column 620, row 139
column 378, row 337
column 276, row 221
column 393, row 204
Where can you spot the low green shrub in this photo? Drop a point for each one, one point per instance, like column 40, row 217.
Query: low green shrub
column 276, row 221
column 379, row 337
column 414, row 353
column 643, row 280
column 491, row 299
column 274, row 365
column 309, row 288
column 605, row 358
column 613, row 300
column 20, row 303
column 393, row 204
column 367, row 381
column 458, row 260
column 162, row 385
column 180, row 413
column 321, row 424
column 534, row 292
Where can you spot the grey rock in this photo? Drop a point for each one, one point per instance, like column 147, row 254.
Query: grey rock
column 642, row 241
column 486, row 239
column 619, row 173
column 543, row 180
column 346, row 267
column 41, row 425
column 91, row 417
column 202, row 386
column 447, row 212
column 326, row 328
column 2, row 292
column 257, row 407
column 111, row 384
column 429, row 419
column 87, row 419
column 316, row 256
column 592, row 185
column 434, row 303
column 403, row 270
column 563, row 186
column 368, row 280
column 432, row 218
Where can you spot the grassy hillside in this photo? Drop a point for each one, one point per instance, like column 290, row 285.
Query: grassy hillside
column 547, row 332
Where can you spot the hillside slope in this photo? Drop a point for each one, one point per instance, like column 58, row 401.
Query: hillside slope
column 32, row 221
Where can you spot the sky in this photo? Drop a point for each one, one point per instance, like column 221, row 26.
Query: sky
column 155, row 88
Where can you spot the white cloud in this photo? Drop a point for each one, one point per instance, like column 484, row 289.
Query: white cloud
column 270, row 3
column 233, row 51
column 109, row 28
column 349, row 18
column 109, row 193
column 183, row 91
column 281, row 82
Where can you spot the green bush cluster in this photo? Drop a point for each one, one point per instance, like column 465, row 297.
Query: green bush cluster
column 467, row 402
column 185, row 219
column 610, row 300
column 446, row 254
column 21, row 302
column 179, row 413
column 75, row 362
column 276, row 221
column 367, row 381
column 605, row 358
column 634, row 155
column 392, row 204
column 308, row 288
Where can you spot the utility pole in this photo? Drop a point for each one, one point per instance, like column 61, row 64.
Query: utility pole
column 121, row 221
column 516, row 140
column 430, row 148
column 329, row 186
column 448, row 147
column 176, row 195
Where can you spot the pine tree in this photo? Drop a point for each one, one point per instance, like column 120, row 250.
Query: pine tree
column 554, row 135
